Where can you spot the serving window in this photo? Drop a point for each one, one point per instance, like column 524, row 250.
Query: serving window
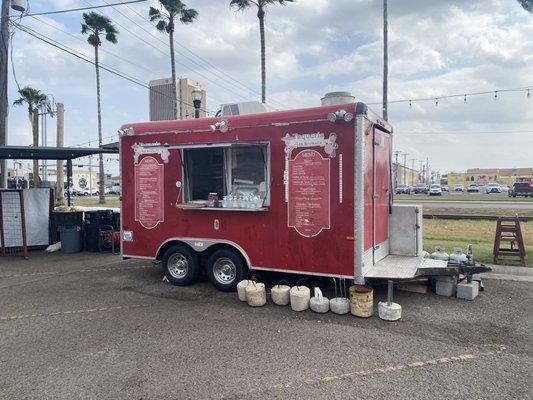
column 232, row 176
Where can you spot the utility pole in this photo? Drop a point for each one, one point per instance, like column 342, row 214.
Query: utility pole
column 413, row 170
column 396, row 154
column 420, row 170
column 385, row 60
column 405, row 168
column 60, row 185
column 4, row 47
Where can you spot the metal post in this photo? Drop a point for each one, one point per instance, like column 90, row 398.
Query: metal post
column 69, row 180
column 385, row 60
column 390, row 289
column 413, row 170
column 60, row 177
column 359, row 196
column 405, row 168
column 4, row 47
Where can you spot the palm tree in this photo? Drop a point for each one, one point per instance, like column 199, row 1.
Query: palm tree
column 261, row 5
column 96, row 25
column 34, row 99
column 166, row 23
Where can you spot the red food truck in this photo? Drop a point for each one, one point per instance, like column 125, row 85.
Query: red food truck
column 303, row 191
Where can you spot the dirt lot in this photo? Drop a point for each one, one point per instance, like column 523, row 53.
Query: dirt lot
column 92, row 326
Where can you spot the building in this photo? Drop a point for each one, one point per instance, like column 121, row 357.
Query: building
column 161, row 107
column 504, row 176
column 404, row 175
column 22, row 177
column 482, row 176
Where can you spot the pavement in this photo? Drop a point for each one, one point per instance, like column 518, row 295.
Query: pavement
column 91, row 326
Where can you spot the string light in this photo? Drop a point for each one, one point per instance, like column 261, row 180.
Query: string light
column 410, row 103
column 436, row 101
column 496, row 95
column 465, row 98
column 528, row 94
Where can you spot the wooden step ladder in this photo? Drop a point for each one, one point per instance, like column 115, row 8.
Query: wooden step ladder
column 508, row 231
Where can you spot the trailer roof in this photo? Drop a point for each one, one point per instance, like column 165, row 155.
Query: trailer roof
column 275, row 117
column 50, row 153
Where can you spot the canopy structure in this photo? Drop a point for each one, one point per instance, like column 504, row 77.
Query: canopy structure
column 53, row 153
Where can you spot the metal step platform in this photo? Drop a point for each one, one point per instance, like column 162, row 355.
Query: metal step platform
column 403, row 267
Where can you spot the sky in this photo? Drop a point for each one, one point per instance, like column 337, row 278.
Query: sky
column 436, row 48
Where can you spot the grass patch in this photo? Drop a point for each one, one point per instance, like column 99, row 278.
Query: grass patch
column 93, row 201
column 452, row 233
column 501, row 212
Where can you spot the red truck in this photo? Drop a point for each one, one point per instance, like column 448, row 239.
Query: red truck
column 522, row 188
column 303, row 191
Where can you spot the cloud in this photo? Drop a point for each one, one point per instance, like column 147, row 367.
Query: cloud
column 436, row 47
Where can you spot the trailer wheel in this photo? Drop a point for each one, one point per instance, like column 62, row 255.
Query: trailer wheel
column 180, row 265
column 226, row 268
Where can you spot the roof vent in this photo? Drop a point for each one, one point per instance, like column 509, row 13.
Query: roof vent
column 333, row 98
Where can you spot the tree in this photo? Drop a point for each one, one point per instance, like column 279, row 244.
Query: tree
column 166, row 22
column 95, row 25
column 261, row 5
column 527, row 4
column 33, row 99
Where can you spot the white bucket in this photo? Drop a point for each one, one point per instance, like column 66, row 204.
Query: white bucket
column 256, row 294
column 300, row 296
column 280, row 295
column 241, row 289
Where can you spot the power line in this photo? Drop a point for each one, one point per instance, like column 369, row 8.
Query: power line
column 218, row 72
column 105, row 67
column 215, row 82
column 460, row 132
column 85, row 8
column 436, row 99
column 209, row 64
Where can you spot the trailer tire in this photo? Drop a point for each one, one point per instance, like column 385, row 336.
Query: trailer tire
column 225, row 269
column 180, row 265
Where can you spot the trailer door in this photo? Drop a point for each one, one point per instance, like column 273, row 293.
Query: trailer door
column 381, row 193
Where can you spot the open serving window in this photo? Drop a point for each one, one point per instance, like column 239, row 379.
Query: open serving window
column 229, row 176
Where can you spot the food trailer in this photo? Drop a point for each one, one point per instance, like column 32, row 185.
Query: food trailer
column 303, row 191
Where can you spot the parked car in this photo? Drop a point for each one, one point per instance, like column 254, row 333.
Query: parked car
column 458, row 187
column 114, row 190
column 472, row 188
column 402, row 189
column 435, row 189
column 445, row 188
column 419, row 189
column 86, row 192
column 521, row 189
column 493, row 188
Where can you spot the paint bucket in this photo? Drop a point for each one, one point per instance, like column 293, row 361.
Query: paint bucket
column 300, row 296
column 256, row 294
column 241, row 289
column 280, row 294
column 361, row 301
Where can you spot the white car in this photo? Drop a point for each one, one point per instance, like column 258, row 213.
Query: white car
column 493, row 188
column 87, row 192
column 435, row 189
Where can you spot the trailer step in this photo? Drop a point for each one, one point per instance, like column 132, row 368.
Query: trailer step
column 402, row 267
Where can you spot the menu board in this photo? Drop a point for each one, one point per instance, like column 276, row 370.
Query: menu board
column 309, row 193
column 149, row 195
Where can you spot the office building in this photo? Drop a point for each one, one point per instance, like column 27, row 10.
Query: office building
column 161, row 108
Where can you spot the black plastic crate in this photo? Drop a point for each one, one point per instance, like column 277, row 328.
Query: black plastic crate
column 100, row 217
column 70, row 218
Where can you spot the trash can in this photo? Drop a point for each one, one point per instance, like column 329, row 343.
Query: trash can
column 71, row 238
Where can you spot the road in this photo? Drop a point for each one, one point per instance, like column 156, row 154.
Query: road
column 522, row 205
column 91, row 326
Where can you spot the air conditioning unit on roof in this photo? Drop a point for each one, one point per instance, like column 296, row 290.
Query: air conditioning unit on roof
column 244, row 108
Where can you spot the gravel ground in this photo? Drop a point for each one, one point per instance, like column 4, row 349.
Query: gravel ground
column 91, row 326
